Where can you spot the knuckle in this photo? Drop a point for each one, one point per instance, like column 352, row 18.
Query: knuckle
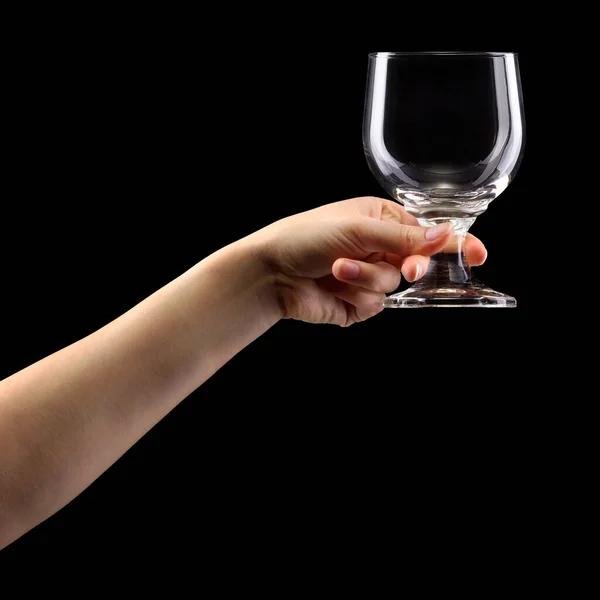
column 352, row 230
column 358, row 234
column 393, row 211
column 379, row 285
column 387, row 279
column 370, row 309
column 407, row 237
column 372, row 200
column 356, row 228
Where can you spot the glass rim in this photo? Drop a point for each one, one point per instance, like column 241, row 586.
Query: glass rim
column 441, row 53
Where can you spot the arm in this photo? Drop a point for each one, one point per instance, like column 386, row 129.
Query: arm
column 67, row 418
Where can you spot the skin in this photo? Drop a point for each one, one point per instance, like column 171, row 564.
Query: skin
column 67, row 418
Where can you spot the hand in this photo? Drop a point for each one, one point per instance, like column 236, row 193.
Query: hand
column 65, row 419
column 334, row 264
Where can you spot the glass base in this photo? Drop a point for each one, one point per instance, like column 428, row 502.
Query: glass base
column 472, row 294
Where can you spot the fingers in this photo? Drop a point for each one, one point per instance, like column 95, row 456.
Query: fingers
column 384, row 236
column 366, row 303
column 381, row 276
column 473, row 248
column 361, row 285
column 414, row 267
column 377, row 277
column 384, row 276
column 474, row 251
column 361, row 303
column 404, row 249
column 395, row 213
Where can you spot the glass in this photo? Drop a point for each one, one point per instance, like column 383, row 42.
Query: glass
column 443, row 134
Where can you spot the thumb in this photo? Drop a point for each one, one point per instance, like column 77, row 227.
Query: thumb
column 385, row 236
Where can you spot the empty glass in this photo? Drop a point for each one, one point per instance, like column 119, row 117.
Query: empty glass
column 443, row 134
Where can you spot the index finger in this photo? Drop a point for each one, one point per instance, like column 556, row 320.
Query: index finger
column 373, row 235
column 474, row 250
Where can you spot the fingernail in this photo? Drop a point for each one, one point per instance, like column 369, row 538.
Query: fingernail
column 420, row 271
column 349, row 270
column 432, row 233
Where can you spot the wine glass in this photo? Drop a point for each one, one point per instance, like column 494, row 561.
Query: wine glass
column 443, row 134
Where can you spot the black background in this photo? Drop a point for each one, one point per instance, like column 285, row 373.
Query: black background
column 138, row 149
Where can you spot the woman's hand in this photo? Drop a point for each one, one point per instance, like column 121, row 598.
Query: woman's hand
column 334, row 264
column 65, row 419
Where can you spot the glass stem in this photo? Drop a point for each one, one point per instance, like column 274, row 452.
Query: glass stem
column 448, row 268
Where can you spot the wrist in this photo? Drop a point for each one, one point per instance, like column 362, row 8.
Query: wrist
column 256, row 270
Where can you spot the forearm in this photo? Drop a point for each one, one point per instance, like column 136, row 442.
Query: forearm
column 67, row 418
